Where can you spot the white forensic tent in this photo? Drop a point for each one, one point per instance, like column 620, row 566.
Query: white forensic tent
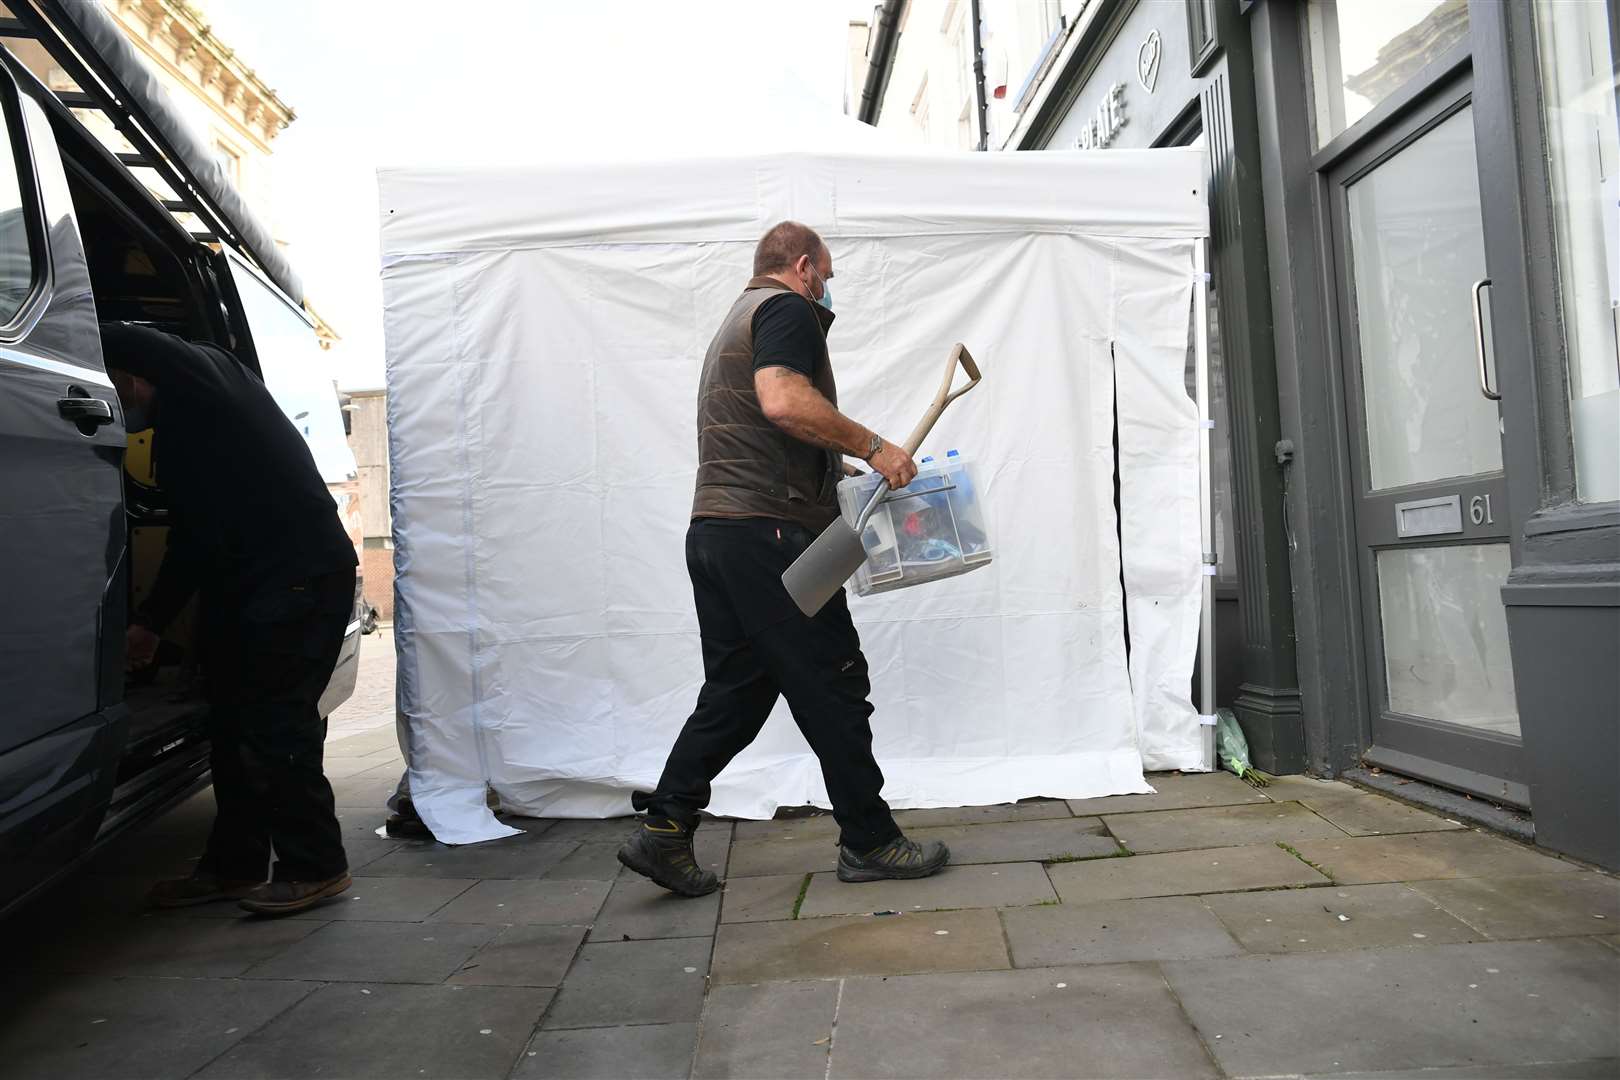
column 545, row 328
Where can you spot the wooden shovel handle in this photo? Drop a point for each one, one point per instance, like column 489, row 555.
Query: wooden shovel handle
column 959, row 355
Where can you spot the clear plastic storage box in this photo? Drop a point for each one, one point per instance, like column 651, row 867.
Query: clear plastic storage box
column 930, row 529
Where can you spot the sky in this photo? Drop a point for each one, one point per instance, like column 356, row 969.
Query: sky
column 401, row 82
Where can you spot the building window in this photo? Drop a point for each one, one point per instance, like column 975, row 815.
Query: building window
column 1375, row 48
column 919, row 107
column 1583, row 166
column 962, row 43
column 230, row 160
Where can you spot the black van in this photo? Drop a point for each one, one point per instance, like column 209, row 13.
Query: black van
column 84, row 751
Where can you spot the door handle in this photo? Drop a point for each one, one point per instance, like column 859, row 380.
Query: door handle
column 85, row 410
column 1479, row 342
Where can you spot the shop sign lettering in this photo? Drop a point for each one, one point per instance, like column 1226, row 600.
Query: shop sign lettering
column 1106, row 123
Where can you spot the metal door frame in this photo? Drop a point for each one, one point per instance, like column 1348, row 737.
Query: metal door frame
column 1485, row 763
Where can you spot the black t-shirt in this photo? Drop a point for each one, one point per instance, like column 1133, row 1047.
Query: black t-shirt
column 787, row 334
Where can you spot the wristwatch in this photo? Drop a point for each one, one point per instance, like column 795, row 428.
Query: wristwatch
column 872, row 447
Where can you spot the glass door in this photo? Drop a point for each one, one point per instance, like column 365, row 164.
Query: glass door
column 1425, row 434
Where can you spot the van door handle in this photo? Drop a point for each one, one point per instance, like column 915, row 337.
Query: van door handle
column 85, row 411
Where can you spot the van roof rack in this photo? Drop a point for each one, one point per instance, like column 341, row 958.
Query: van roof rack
column 112, row 79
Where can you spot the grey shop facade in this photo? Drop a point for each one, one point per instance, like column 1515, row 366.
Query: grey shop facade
column 1415, row 263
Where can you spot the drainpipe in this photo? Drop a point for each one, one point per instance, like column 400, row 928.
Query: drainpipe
column 885, row 42
column 978, row 75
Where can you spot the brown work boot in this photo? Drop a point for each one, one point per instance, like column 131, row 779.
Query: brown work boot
column 291, row 897
column 199, row 888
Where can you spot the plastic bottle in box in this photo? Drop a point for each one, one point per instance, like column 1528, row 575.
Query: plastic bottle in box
column 970, row 518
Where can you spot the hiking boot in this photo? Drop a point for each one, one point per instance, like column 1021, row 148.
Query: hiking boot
column 199, row 888
column 291, row 897
column 899, row 858
column 661, row 850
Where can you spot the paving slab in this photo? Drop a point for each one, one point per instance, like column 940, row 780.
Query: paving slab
column 792, row 827
column 371, row 742
column 760, row 899
column 1181, row 873
column 386, row 1032
column 863, row 945
column 523, row 956
column 633, row 982
column 712, row 846
column 796, row 854
column 78, row 905
column 369, row 790
column 176, row 948
column 998, row 885
column 361, row 843
column 1304, row 786
column 592, row 830
column 644, row 1052
column 1345, row 917
column 1375, row 815
column 1476, row 1005
column 390, row 899
column 532, row 826
column 594, row 861
column 1541, row 905
column 1111, row 1021
column 1023, row 841
column 531, row 903
column 161, row 850
column 1115, row 931
column 1175, row 791
column 132, row 1028
column 1027, row 810
column 1218, row 826
column 338, row 767
column 637, row 910
column 766, row 1031
column 1606, row 1069
column 1363, row 860
column 510, row 857
column 377, row 952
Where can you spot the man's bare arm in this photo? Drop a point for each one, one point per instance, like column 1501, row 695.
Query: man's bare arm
column 791, row 402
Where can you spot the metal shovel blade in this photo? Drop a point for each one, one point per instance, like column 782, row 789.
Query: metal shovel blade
column 816, row 576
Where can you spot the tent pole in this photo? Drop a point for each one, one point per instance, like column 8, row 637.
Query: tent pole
column 1206, row 530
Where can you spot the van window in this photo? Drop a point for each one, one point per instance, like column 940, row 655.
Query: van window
column 17, row 257
column 297, row 372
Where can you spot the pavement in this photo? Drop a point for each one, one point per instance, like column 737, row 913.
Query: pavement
column 1209, row 930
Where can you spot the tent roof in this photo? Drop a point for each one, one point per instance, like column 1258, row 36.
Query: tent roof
column 844, row 193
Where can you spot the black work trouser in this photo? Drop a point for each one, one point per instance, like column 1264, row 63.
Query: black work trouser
column 269, row 657
column 758, row 645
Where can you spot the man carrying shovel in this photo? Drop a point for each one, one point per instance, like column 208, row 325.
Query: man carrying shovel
column 770, row 453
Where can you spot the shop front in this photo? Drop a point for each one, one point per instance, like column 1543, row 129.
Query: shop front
column 1440, row 194
column 1416, row 261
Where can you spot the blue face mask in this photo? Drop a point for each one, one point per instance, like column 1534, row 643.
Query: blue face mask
column 825, row 299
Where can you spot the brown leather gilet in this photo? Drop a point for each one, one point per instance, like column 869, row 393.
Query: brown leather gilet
column 747, row 466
